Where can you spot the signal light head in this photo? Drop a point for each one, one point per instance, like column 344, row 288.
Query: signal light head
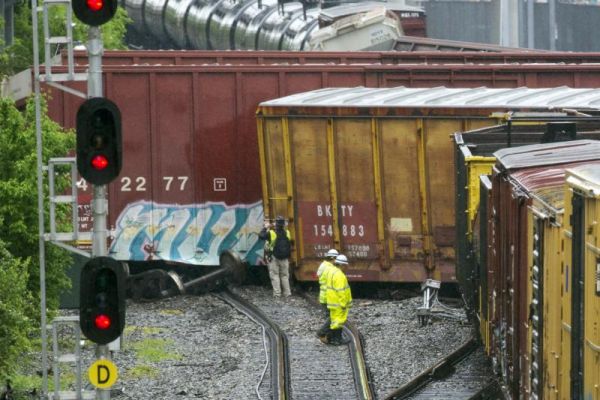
column 102, row 321
column 99, row 147
column 99, row 162
column 95, row 5
column 94, row 12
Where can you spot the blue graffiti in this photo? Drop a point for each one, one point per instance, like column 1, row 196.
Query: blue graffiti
column 192, row 234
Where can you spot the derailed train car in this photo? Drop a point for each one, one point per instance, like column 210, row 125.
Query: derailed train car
column 266, row 24
column 535, row 236
column 190, row 139
column 371, row 171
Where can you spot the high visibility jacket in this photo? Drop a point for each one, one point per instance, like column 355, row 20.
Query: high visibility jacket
column 273, row 236
column 322, row 274
column 338, row 296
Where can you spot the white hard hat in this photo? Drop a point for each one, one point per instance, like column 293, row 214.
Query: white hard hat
column 332, row 253
column 341, row 259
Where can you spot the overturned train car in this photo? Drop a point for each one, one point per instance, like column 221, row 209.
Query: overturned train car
column 535, row 236
column 266, row 25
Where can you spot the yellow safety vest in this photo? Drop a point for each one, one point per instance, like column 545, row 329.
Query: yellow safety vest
column 273, row 236
column 339, row 298
column 323, row 268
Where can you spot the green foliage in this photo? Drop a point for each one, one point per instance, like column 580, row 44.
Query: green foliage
column 15, row 305
column 140, row 372
column 155, row 350
column 19, row 55
column 19, row 225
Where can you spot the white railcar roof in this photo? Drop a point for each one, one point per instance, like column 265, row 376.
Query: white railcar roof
column 443, row 97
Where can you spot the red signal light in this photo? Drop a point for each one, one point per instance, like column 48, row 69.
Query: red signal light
column 99, row 162
column 95, row 5
column 102, row 321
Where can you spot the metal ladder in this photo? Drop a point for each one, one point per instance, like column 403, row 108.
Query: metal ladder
column 56, row 166
column 53, row 43
column 67, row 358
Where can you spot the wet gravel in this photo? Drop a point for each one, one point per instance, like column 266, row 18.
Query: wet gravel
column 204, row 349
column 187, row 347
column 397, row 347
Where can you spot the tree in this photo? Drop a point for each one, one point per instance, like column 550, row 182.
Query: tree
column 19, row 253
column 15, row 305
column 19, row 55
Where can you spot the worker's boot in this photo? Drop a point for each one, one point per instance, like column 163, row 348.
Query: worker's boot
column 323, row 329
column 336, row 337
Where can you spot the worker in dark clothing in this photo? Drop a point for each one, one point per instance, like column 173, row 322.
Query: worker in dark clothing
column 339, row 301
column 279, row 249
column 322, row 276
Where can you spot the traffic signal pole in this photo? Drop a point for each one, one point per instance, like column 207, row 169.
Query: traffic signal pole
column 99, row 203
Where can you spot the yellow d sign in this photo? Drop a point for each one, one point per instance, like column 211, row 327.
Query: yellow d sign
column 103, row 374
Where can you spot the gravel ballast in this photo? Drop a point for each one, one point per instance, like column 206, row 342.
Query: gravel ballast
column 199, row 347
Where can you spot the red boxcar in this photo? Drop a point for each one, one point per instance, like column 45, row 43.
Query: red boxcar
column 190, row 185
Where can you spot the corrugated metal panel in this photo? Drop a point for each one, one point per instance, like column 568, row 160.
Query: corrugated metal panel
column 547, row 183
column 585, row 178
column 443, row 97
column 548, row 154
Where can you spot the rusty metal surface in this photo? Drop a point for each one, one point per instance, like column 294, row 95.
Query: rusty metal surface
column 535, row 184
column 198, row 57
column 198, row 121
column 547, row 154
column 547, row 183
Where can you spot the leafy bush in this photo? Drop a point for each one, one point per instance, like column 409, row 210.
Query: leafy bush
column 15, row 305
column 19, row 275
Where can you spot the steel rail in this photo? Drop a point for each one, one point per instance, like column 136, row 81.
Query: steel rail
column 439, row 371
column 492, row 390
column 362, row 379
column 279, row 361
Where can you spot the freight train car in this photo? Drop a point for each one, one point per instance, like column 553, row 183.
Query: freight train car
column 194, row 116
column 371, row 171
column 538, row 310
column 474, row 157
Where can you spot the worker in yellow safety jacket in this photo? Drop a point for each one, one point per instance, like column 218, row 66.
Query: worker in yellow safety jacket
column 321, row 274
column 339, row 301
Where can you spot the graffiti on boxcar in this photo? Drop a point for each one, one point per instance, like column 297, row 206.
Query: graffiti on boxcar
column 192, row 234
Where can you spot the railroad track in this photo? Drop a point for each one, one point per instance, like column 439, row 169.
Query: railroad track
column 460, row 375
column 277, row 365
column 315, row 371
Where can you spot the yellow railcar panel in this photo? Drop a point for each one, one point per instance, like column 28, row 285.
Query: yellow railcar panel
column 354, row 160
column 275, row 164
column 552, row 309
column 309, row 148
column 477, row 166
column 591, row 348
column 441, row 176
column 400, row 170
column 564, row 364
column 308, row 145
column 357, row 206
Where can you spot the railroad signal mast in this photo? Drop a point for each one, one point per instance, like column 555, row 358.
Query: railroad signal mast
column 102, row 306
column 99, row 160
column 99, row 154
